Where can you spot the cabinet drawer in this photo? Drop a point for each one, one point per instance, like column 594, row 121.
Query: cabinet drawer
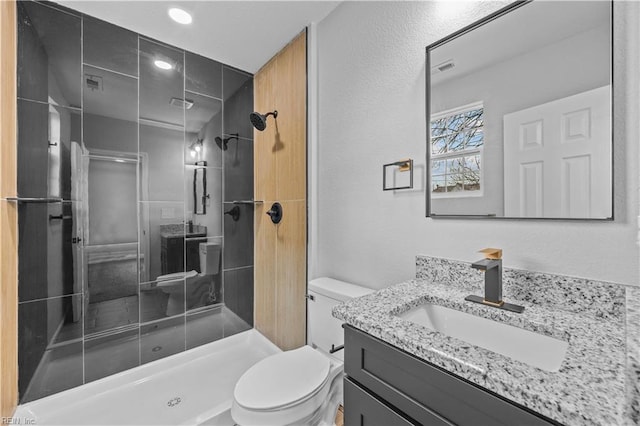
column 413, row 386
column 363, row 409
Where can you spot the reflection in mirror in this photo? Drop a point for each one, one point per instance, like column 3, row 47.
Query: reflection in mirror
column 200, row 195
column 524, row 128
column 203, row 126
column 162, row 99
column 109, row 46
column 106, row 169
column 49, row 55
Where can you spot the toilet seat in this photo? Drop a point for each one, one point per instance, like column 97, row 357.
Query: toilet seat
column 300, row 375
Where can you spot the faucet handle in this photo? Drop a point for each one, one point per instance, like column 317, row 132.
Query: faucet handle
column 491, row 253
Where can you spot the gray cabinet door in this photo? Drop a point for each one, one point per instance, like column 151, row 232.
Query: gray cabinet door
column 363, row 409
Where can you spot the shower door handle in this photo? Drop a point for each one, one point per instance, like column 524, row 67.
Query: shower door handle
column 275, row 213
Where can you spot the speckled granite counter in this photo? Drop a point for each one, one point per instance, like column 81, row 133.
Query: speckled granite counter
column 589, row 389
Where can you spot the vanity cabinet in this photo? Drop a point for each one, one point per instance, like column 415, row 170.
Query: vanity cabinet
column 172, row 253
column 386, row 386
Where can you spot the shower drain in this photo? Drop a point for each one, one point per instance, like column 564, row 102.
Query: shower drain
column 174, row 401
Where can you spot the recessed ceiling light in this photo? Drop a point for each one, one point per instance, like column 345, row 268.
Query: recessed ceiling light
column 180, row 16
column 163, row 65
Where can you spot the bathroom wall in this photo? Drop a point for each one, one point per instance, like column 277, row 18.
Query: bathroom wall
column 371, row 85
column 106, row 187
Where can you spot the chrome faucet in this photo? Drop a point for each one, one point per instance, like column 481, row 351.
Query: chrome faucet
column 491, row 265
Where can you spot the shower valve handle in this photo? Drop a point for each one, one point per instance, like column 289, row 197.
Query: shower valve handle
column 275, row 213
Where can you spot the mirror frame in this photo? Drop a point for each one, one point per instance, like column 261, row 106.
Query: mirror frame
column 200, row 165
column 483, row 21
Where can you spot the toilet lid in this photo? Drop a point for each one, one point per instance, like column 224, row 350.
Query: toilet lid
column 282, row 379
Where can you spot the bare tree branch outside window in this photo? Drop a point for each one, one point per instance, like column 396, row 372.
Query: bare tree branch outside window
column 455, row 152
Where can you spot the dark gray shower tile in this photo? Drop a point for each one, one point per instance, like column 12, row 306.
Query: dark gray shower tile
column 161, row 90
column 162, row 299
column 203, row 137
column 111, row 354
column 110, row 113
column 109, row 314
column 46, row 134
column 162, row 164
column 238, row 102
column 204, row 255
column 238, row 292
column 238, row 171
column 203, row 198
column 49, row 346
column 46, row 253
column 109, row 46
column 205, row 327
column 203, row 75
column 33, row 149
column 48, row 55
column 238, row 236
column 160, row 339
column 162, row 233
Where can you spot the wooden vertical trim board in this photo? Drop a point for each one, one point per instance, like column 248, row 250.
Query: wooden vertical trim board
column 280, row 173
column 8, row 213
column 8, row 98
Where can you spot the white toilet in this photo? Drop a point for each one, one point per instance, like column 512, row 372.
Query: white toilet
column 174, row 284
column 301, row 386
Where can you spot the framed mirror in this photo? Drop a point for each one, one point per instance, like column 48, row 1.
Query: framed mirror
column 519, row 109
column 200, row 195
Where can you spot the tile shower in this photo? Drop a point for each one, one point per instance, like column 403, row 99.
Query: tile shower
column 126, row 173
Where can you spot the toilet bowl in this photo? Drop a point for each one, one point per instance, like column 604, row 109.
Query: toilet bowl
column 304, row 385
column 189, row 286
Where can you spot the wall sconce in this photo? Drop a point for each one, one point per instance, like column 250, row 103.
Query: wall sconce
column 196, row 147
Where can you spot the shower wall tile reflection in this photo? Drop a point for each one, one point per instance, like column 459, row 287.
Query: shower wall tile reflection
column 109, row 354
column 238, row 102
column 203, row 75
column 203, row 285
column 203, row 131
column 109, row 46
column 205, row 206
column 116, row 131
column 162, row 338
column 238, row 236
column 49, row 55
column 49, row 346
column 238, row 292
column 161, row 174
column 238, row 171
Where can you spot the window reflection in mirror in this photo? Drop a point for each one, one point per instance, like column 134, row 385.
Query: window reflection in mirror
column 520, row 114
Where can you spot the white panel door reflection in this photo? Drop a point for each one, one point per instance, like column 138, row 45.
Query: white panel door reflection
column 557, row 158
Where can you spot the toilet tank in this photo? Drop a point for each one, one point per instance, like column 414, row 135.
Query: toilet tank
column 210, row 258
column 323, row 329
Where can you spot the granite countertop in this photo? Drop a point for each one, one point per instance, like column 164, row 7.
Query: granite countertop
column 589, row 388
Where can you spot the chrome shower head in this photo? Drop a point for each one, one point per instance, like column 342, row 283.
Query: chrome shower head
column 259, row 121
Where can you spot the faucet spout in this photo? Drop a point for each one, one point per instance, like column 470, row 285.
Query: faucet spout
column 487, row 264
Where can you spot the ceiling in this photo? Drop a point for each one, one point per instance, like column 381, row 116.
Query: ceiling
column 533, row 26
column 244, row 34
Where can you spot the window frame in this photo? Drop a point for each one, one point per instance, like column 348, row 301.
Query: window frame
column 456, row 154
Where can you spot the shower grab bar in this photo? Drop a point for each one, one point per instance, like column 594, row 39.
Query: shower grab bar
column 37, row 200
column 247, row 202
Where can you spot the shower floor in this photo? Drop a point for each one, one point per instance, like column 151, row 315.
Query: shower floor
column 190, row 388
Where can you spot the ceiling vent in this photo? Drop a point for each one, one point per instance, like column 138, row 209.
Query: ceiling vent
column 181, row 103
column 445, row 66
column 93, row 83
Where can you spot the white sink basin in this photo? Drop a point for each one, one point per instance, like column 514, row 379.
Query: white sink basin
column 531, row 348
